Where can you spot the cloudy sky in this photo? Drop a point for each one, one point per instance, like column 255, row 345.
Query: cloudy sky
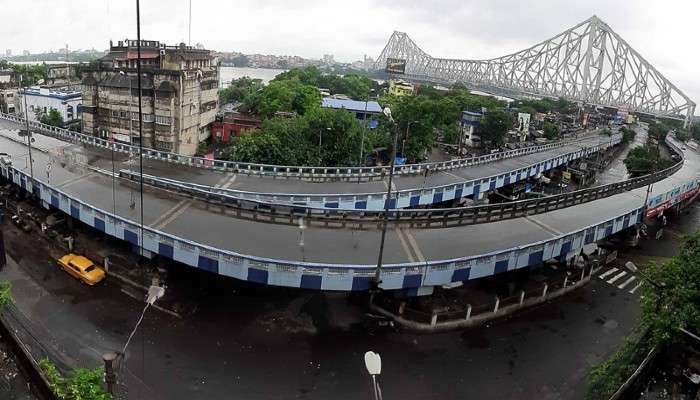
column 665, row 32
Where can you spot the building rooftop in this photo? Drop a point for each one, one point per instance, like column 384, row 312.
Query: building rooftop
column 352, row 105
column 62, row 94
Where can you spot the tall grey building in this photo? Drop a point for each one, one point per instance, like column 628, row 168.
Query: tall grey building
column 179, row 95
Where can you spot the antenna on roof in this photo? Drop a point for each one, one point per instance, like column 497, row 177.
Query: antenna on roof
column 189, row 33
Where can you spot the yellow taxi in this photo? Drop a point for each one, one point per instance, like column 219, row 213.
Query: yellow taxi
column 81, row 268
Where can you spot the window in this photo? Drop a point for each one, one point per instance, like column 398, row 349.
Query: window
column 115, row 113
column 147, row 117
column 90, row 268
column 162, row 120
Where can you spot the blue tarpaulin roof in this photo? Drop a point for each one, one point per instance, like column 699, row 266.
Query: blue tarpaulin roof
column 352, row 105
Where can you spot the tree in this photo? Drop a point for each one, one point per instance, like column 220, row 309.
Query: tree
column 551, row 131
column 80, row 384
column 695, row 131
column 494, row 127
column 644, row 160
column 53, row 118
column 31, row 73
column 239, row 89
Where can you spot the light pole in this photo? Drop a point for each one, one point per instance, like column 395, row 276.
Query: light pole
column 403, row 145
column 373, row 363
column 320, row 137
column 154, row 293
column 29, row 134
column 364, row 130
column 377, row 273
column 302, row 227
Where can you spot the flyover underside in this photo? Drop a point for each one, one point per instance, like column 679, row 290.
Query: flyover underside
column 332, row 259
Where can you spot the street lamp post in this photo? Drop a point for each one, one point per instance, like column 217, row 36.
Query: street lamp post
column 364, row 130
column 29, row 133
column 659, row 287
column 403, row 145
column 320, row 137
column 373, row 363
column 377, row 273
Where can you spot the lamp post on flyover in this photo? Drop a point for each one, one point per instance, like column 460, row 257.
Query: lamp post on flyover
column 377, row 273
column 29, row 133
column 373, row 363
column 320, row 136
column 403, row 144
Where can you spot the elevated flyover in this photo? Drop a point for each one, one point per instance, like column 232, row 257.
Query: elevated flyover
column 339, row 188
column 333, row 258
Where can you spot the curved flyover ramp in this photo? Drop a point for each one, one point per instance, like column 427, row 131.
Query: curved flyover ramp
column 206, row 237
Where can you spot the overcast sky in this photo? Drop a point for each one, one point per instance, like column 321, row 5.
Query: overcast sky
column 665, row 32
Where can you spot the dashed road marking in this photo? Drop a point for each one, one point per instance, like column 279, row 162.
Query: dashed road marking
column 414, row 245
column 634, row 289
column 627, row 282
column 616, row 277
column 609, row 272
column 404, row 245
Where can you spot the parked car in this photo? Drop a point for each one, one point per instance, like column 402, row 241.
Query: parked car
column 82, row 268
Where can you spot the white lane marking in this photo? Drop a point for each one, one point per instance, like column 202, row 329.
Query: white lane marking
column 229, row 182
column 627, row 282
column 616, row 277
column 405, row 245
column 634, row 289
column 75, row 180
column 183, row 205
column 454, row 176
column 167, row 213
column 609, row 272
column 414, row 245
column 174, row 215
column 543, row 226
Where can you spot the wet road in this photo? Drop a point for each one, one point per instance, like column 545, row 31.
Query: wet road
column 254, row 342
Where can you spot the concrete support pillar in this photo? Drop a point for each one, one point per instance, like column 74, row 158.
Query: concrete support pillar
column 566, row 281
column 433, row 320
column 498, row 303
column 69, row 240
column 402, row 307
column 469, row 312
column 583, row 273
column 106, row 264
column 544, row 290
column 522, row 297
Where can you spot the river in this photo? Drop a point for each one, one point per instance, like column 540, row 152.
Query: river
column 227, row 74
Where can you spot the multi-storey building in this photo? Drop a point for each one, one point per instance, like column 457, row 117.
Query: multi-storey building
column 179, row 95
column 40, row 100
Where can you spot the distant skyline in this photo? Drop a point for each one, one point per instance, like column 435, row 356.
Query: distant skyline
column 662, row 32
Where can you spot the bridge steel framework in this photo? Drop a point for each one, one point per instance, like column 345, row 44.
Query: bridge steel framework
column 588, row 63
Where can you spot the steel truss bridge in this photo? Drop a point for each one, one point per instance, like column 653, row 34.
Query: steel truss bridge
column 588, row 63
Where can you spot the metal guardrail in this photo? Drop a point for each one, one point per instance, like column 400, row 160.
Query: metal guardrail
column 420, row 218
column 408, row 198
column 327, row 276
column 283, row 171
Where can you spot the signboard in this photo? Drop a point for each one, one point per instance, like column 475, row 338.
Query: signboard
column 395, row 66
column 566, row 175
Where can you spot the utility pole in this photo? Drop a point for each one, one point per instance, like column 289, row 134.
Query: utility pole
column 377, row 273
column 3, row 260
column 29, row 134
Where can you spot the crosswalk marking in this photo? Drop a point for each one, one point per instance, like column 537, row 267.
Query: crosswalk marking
column 616, row 277
column 634, row 289
column 609, row 272
column 625, row 283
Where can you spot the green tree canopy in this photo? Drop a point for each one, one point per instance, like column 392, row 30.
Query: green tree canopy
column 53, row 118
column 494, row 127
column 551, row 131
column 239, row 89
